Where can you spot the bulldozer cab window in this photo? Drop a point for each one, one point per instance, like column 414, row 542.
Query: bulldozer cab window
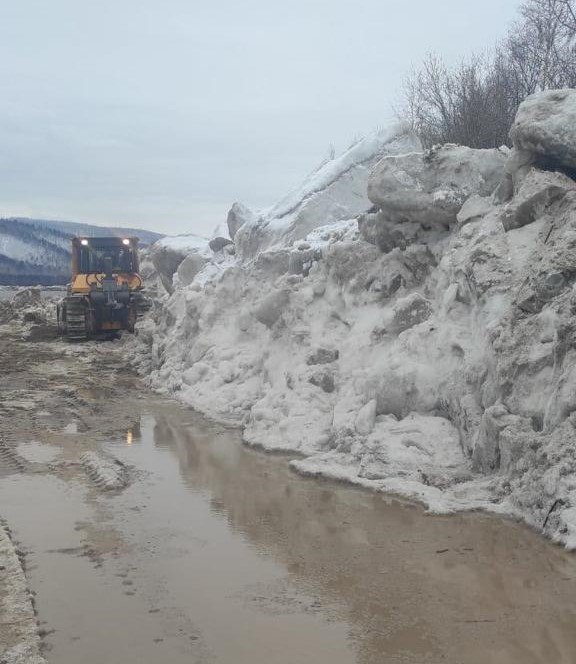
column 94, row 259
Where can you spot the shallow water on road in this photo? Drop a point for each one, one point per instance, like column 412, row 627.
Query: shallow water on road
column 217, row 553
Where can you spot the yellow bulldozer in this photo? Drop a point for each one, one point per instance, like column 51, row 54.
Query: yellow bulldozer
column 105, row 295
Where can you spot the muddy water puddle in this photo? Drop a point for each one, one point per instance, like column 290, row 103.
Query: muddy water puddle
column 36, row 452
column 219, row 554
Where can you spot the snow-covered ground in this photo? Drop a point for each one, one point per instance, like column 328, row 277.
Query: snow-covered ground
column 405, row 322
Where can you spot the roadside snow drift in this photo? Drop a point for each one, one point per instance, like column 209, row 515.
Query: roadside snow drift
column 421, row 342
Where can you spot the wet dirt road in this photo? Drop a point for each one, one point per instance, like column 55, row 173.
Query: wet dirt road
column 214, row 553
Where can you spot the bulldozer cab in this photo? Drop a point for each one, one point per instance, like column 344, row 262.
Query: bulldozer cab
column 104, row 256
column 99, row 259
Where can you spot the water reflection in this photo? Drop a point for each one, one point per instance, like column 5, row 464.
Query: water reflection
column 134, row 433
column 413, row 588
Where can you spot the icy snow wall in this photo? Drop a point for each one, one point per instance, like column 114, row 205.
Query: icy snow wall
column 421, row 341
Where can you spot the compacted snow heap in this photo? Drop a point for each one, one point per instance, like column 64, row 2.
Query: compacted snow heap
column 176, row 260
column 424, row 345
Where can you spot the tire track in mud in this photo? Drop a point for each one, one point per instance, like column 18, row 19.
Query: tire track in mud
column 10, row 460
column 105, row 471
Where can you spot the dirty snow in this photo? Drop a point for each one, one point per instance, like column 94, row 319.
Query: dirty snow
column 16, row 608
column 433, row 360
column 335, row 191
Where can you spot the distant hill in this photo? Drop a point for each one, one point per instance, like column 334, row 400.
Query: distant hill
column 37, row 251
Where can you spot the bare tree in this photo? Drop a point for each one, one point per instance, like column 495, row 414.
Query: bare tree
column 475, row 102
column 540, row 49
column 459, row 105
column 567, row 16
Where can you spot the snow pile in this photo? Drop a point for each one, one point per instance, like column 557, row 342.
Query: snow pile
column 335, row 191
column 545, row 128
column 30, row 312
column 429, row 355
column 430, row 190
column 168, row 254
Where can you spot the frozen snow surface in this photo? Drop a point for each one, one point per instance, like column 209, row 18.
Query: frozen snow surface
column 337, row 190
column 430, row 355
column 546, row 127
column 187, row 243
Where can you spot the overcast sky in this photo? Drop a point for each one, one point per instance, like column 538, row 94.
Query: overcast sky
column 162, row 113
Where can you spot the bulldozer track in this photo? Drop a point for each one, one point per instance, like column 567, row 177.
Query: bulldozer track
column 76, row 325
